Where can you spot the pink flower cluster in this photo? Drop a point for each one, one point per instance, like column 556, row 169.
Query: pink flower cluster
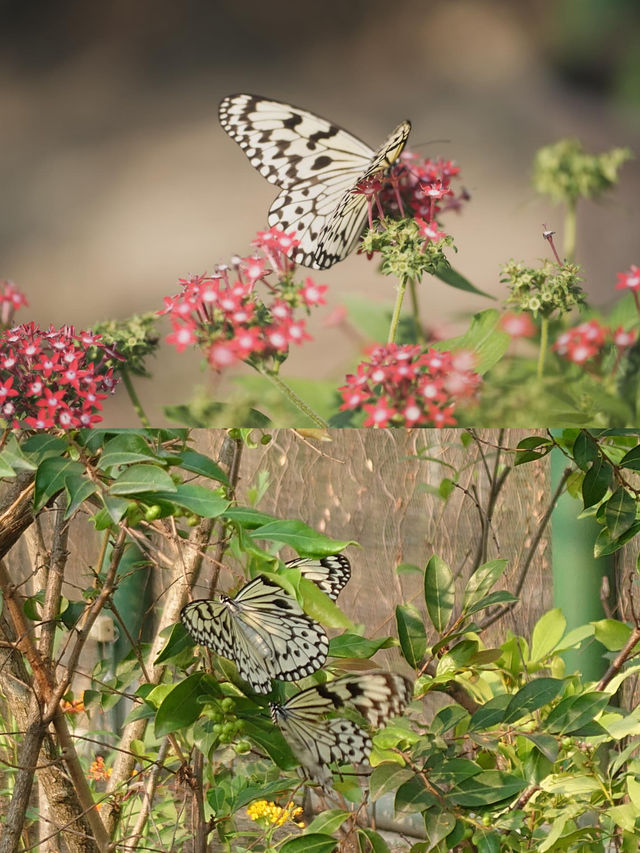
column 629, row 280
column 518, row 324
column 408, row 386
column 223, row 315
column 424, row 186
column 587, row 341
column 10, row 300
column 47, row 379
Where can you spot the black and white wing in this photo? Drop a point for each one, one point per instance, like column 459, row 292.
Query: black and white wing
column 318, row 742
column 263, row 630
column 331, row 573
column 318, row 167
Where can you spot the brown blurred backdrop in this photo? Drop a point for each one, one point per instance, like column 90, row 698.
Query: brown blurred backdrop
column 117, row 178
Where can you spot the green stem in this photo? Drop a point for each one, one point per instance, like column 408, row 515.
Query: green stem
column 413, row 292
column 570, row 231
column 544, row 341
column 135, row 400
column 291, row 395
column 397, row 308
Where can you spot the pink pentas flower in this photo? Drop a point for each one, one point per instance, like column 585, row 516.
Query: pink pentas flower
column 518, row 324
column 623, row 339
column 57, row 375
column 11, row 299
column 247, row 310
column 407, row 385
column 588, row 341
column 629, row 280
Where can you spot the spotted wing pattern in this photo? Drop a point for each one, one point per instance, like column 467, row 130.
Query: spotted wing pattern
column 331, row 573
column 318, row 742
column 263, row 630
column 318, row 167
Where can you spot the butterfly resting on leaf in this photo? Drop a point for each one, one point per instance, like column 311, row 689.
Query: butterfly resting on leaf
column 319, row 167
column 263, row 629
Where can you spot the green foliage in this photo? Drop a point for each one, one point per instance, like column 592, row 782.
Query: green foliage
column 133, row 339
column 545, row 290
column 565, row 172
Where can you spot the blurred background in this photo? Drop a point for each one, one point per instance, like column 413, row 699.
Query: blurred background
column 118, row 179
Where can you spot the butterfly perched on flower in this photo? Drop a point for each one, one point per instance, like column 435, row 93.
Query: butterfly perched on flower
column 263, row 629
column 319, row 168
column 318, row 742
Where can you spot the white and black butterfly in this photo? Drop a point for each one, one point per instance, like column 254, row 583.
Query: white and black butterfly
column 331, row 573
column 318, row 742
column 263, row 629
column 317, row 165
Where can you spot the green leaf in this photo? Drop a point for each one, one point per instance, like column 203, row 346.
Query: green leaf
column 328, row 821
column 456, row 770
column 411, row 633
column 596, row 482
column 179, row 708
column 547, row 633
column 481, row 581
column 412, row 796
column 370, row 841
column 531, row 448
column 142, row 478
column 619, row 512
column 487, row 787
column 604, row 545
column 572, row 713
column 439, row 592
column 353, row 646
column 532, row 696
column 268, row 738
column 200, row 464
column 301, row 537
column 78, row 489
column 545, row 744
column 259, row 792
column 247, row 517
column 455, row 279
column 490, row 714
column 320, row 607
column 387, row 777
column 448, row 718
column 484, row 338
column 51, row 477
column 585, row 450
column 126, row 448
column 487, row 841
column 631, row 459
column 613, row 634
column 500, row 596
column 438, row 825
column 195, row 498
column 316, row 842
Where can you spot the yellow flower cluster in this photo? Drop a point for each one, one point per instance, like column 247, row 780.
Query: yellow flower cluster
column 98, row 771
column 270, row 813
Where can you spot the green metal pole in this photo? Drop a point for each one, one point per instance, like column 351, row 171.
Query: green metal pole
column 577, row 574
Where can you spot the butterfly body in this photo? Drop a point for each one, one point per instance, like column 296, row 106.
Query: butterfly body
column 318, row 167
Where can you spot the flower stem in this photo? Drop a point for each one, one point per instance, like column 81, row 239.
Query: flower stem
column 413, row 292
column 397, row 308
column 544, row 340
column 291, row 395
column 570, row 231
column 135, row 400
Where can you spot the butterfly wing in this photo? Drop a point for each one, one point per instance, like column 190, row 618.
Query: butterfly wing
column 331, row 573
column 318, row 742
column 317, row 165
column 263, row 630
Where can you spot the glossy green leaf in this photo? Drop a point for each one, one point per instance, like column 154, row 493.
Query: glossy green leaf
column 179, row 708
column 547, row 633
column 574, row 712
column 328, row 821
column 605, row 545
column 200, row 464
column 481, row 581
column 596, row 482
column 51, row 477
column 301, row 537
column 127, row 448
column 411, row 633
column 613, row 634
column 535, row 694
column 79, row 489
column 316, row 842
column 620, row 512
column 387, row 777
column 197, row 499
column 353, row 646
column 487, row 787
column 412, row 796
column 142, row 478
column 371, row 841
column 455, row 279
column 631, row 459
column 585, row 450
column 438, row 824
column 484, row 338
column 439, row 592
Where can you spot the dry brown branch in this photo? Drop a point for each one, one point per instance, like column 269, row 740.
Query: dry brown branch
column 16, row 512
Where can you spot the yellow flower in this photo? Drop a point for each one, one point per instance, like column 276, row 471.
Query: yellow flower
column 269, row 813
